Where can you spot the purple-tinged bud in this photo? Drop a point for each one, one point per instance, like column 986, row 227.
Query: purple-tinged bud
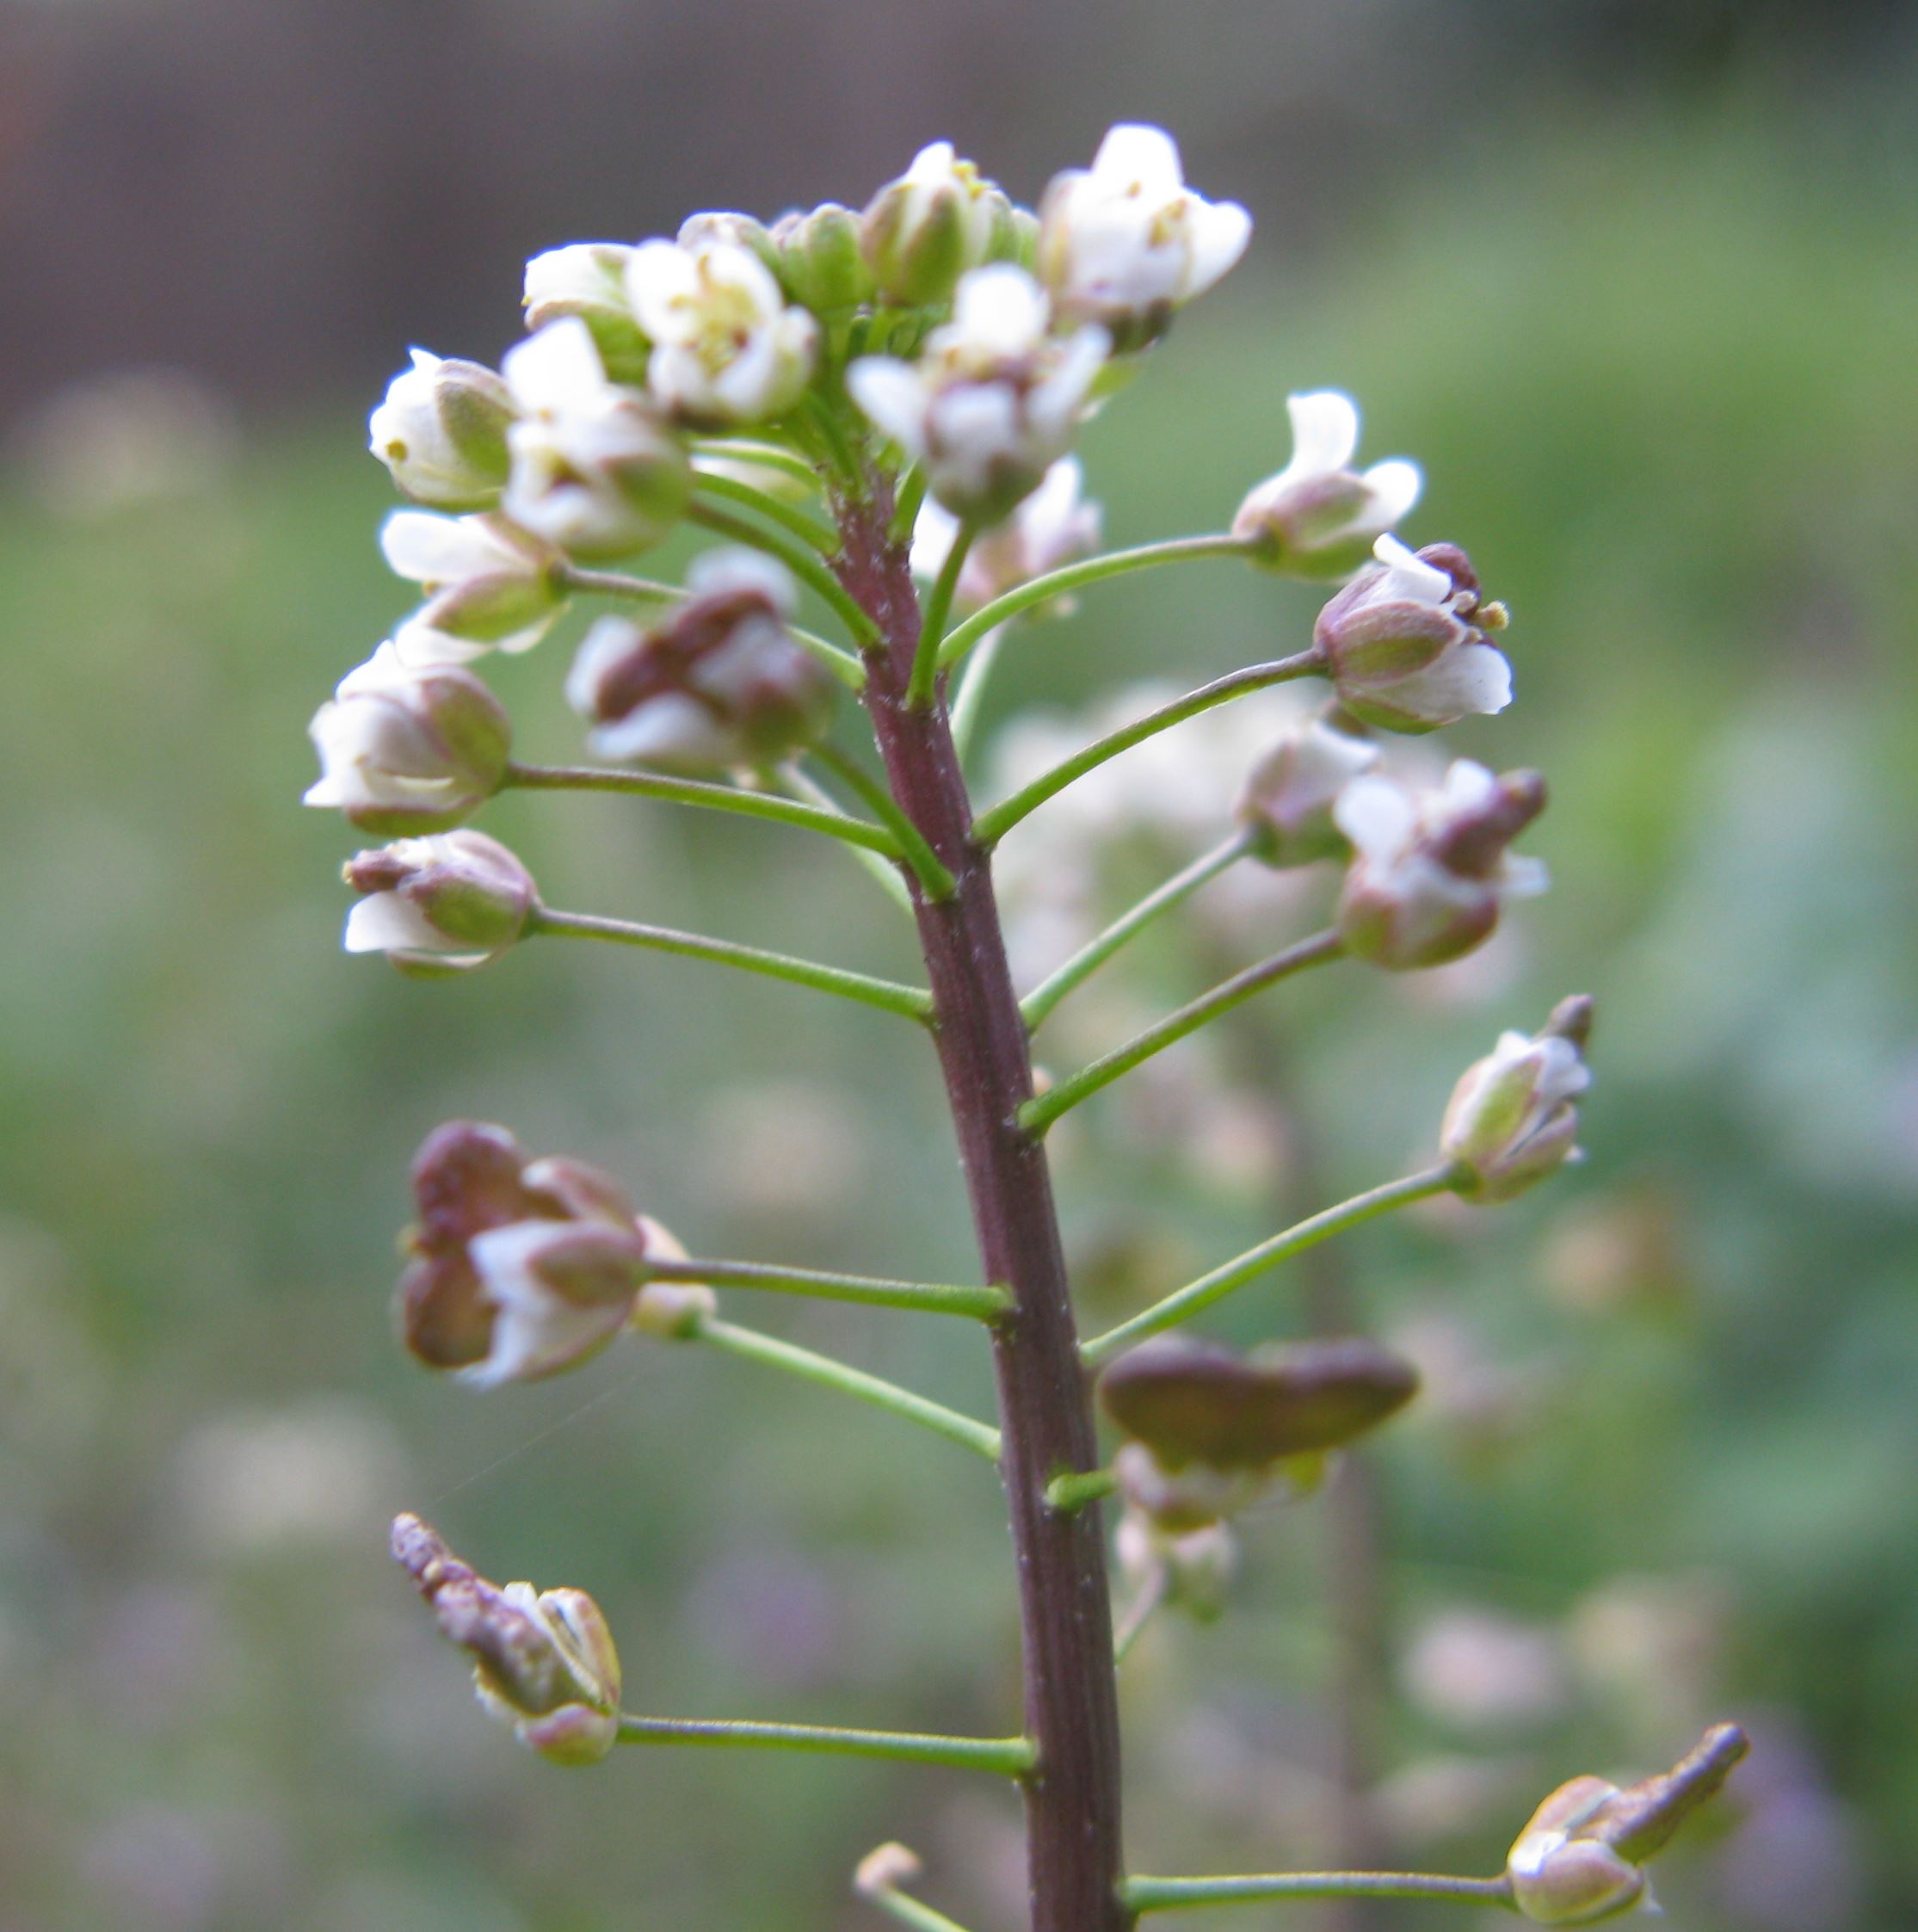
column 921, row 232
column 720, row 684
column 441, row 431
column 523, row 1268
column 409, row 751
column 489, row 585
column 1318, row 517
column 819, row 263
column 1430, row 869
column 1405, row 644
column 589, row 280
column 1195, row 1568
column 1512, row 1118
column 1214, row 1428
column 444, row 903
column 1580, row 1857
column 544, row 1661
column 1287, row 798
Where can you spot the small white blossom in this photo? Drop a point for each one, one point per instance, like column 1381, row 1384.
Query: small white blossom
column 1404, row 645
column 1430, row 869
column 405, row 751
column 489, row 585
column 727, row 347
column 1512, row 1118
column 1125, row 242
column 1053, row 527
column 595, row 471
column 1287, row 799
column 993, row 400
column 446, row 902
column 1318, row 517
column 589, row 280
column 921, row 232
column 440, row 430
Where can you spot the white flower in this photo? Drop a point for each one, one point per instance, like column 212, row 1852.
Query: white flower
column 441, row 431
column 1051, row 528
column 1404, row 645
column 993, row 400
column 404, row 751
column 1318, row 517
column 1513, row 1117
column 489, row 584
column 1287, row 799
column 727, row 348
column 1430, row 869
column 1126, row 242
column 719, row 684
column 595, row 471
column 589, row 280
column 446, row 902
column 560, row 1290
column 921, row 232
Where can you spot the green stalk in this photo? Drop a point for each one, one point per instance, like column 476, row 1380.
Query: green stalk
column 989, row 827
column 1036, row 1115
column 1164, row 1895
column 805, row 564
column 979, row 1437
column 1011, row 1757
column 935, row 879
column 969, row 700
column 931, row 1298
column 697, row 791
column 811, row 530
column 1076, row 1488
column 910, row 1911
column 1076, row 576
column 1140, row 1612
column 922, row 685
column 1038, row 1003
column 884, row 875
column 1184, row 1303
column 888, row 995
column 766, row 455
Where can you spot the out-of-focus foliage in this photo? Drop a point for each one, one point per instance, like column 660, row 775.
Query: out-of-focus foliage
column 1661, row 388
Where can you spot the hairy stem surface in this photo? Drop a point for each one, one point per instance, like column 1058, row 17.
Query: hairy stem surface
column 1072, row 1792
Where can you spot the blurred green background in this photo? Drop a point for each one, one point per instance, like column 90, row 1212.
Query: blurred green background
column 1637, row 287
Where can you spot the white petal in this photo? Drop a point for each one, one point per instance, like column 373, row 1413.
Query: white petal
column 1408, row 574
column 419, row 647
column 734, row 568
column 933, row 165
column 1219, row 232
column 557, row 371
column 1376, row 815
column 662, row 277
column 1000, row 310
column 431, row 549
column 1395, row 486
column 386, row 922
column 933, row 537
column 1324, row 431
column 1470, row 679
column 1135, row 154
column 1523, row 878
column 669, row 727
column 893, row 396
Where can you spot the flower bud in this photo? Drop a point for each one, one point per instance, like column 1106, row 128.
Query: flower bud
column 1218, row 1429
column 669, row 1311
column 1430, row 870
column 444, row 903
column 1196, row 1565
column 819, row 263
column 409, row 751
column 993, row 400
column 589, row 280
column 728, row 228
column 1404, row 644
column 1512, row 1118
column 1579, row 1857
column 594, row 470
column 726, row 347
column 921, row 232
column 886, row 1869
column 1051, row 528
column 488, row 586
column 721, row 684
column 441, row 432
column 544, row 1662
column 1318, row 517
column 1286, row 801
column 519, row 1268
column 1125, row 242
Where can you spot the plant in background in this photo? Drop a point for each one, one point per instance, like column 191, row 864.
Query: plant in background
column 875, row 414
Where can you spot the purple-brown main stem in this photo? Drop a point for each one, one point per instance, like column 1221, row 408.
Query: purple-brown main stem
column 1072, row 1796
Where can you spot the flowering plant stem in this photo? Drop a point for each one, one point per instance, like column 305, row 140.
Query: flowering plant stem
column 888, row 995
column 928, row 1298
column 1038, row 1003
column 1076, row 577
column 1164, row 1895
column 717, row 797
column 979, row 1437
column 1072, row 1789
column 1039, row 1114
column 1184, row 1303
column 992, row 826
column 1011, row 1757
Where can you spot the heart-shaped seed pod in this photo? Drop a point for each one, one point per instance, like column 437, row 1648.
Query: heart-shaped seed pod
column 1197, row 1402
